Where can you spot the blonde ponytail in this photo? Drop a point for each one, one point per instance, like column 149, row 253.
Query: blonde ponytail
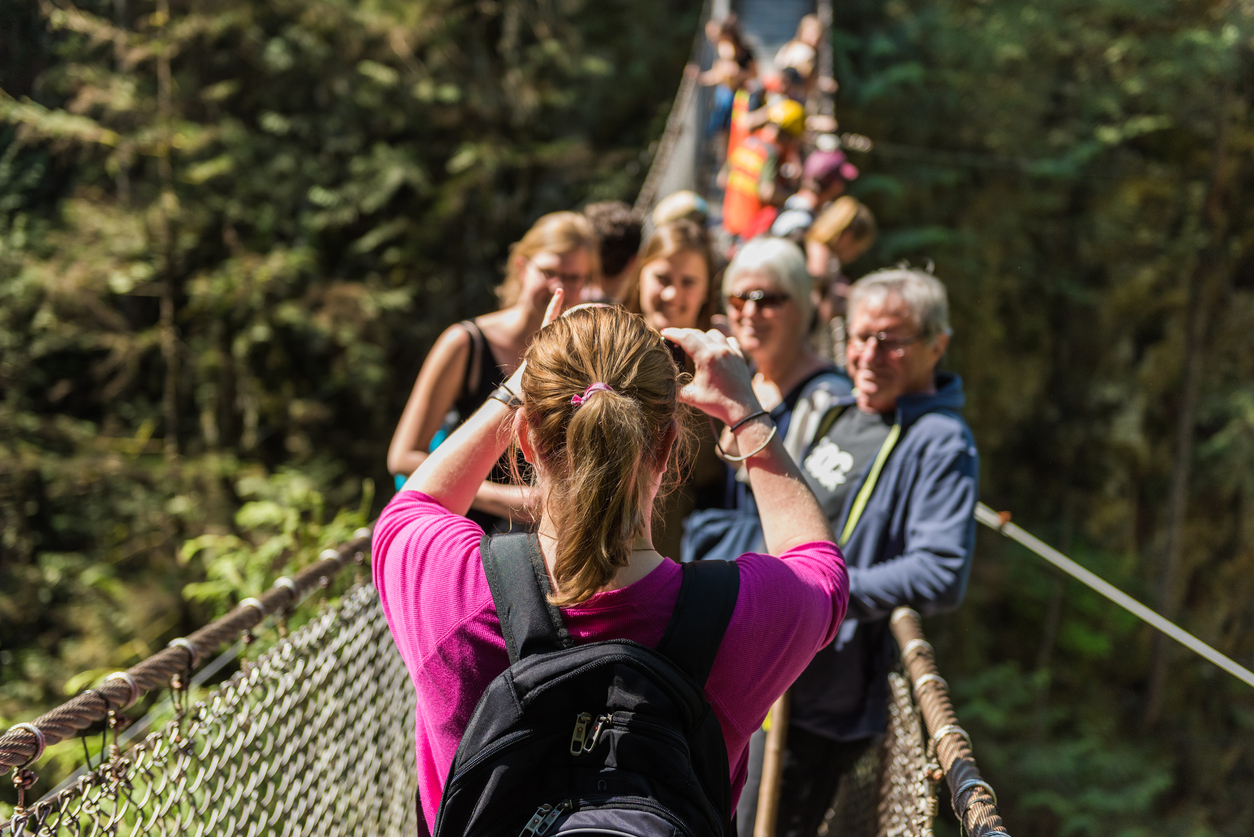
column 597, row 459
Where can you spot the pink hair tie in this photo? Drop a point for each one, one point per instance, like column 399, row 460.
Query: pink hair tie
column 587, row 393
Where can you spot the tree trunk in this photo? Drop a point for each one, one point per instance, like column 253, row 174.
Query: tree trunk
column 122, row 181
column 1177, row 501
column 169, row 290
column 1171, row 580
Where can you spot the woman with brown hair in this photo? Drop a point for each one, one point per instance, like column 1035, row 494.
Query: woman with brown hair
column 675, row 287
column 472, row 358
column 594, row 408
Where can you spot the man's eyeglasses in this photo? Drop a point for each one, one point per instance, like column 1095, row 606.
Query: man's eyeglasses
column 893, row 346
column 762, row 299
column 551, row 275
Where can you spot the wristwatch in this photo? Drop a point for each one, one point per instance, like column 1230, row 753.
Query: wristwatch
column 506, row 397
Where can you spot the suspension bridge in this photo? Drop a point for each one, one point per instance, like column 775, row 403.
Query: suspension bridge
column 314, row 735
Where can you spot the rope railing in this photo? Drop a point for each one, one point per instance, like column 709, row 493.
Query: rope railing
column 313, row 736
column 1000, row 523
column 826, row 105
column 974, row 802
column 683, row 122
column 24, row 743
column 675, row 125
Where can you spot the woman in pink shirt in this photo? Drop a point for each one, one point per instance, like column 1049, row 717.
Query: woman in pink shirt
column 599, row 419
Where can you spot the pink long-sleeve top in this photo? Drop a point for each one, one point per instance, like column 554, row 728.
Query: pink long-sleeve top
column 437, row 602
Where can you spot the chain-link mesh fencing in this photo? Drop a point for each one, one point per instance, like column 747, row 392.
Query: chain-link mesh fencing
column 315, row 737
column 891, row 790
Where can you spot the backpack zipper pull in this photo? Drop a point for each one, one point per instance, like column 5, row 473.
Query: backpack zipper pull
column 552, row 818
column 602, row 720
column 581, row 731
column 533, row 825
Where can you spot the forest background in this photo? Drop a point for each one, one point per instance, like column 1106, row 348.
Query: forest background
column 229, row 231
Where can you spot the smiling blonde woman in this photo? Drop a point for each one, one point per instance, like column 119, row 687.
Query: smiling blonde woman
column 474, row 357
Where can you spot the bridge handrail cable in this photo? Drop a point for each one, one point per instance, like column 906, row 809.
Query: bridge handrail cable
column 974, row 801
column 1000, row 522
column 25, row 743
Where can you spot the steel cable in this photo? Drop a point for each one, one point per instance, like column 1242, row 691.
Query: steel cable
column 17, row 746
column 973, row 800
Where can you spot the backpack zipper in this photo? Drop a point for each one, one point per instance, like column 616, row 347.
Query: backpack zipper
column 544, row 817
column 644, row 723
column 635, row 803
column 610, row 657
column 577, row 741
column 584, row 741
column 508, row 742
column 596, row 732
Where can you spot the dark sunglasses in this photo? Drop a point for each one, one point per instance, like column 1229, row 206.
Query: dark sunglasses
column 764, row 300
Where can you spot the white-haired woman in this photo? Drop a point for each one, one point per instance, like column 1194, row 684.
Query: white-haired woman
column 770, row 303
column 771, row 308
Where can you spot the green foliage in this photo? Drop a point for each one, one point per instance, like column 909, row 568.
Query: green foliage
column 1078, row 782
column 1078, row 173
column 229, row 230
column 281, row 520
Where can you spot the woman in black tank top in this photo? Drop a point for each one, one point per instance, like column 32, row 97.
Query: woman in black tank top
column 471, row 359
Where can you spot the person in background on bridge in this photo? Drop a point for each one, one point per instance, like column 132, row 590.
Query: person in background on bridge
column 839, row 236
column 770, row 309
column 824, row 177
column 471, row 359
column 619, row 229
column 732, row 75
column 601, row 428
column 796, row 73
column 895, row 469
column 674, row 287
column 754, row 189
column 801, row 53
column 684, row 204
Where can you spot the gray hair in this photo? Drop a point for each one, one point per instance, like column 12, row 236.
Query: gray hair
column 783, row 263
column 921, row 293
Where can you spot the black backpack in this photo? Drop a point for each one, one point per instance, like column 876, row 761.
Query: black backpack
column 607, row 738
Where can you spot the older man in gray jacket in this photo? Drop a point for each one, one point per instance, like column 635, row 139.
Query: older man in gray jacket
column 895, row 467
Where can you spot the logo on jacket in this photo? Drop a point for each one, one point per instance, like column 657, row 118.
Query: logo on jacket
column 828, row 464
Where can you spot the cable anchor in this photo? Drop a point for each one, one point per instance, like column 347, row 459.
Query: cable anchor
column 23, row 777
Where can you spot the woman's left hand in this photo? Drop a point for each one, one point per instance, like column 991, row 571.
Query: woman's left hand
column 721, row 386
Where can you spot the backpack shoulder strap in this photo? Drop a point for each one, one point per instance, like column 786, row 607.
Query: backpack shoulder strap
column 520, row 589
column 707, row 598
